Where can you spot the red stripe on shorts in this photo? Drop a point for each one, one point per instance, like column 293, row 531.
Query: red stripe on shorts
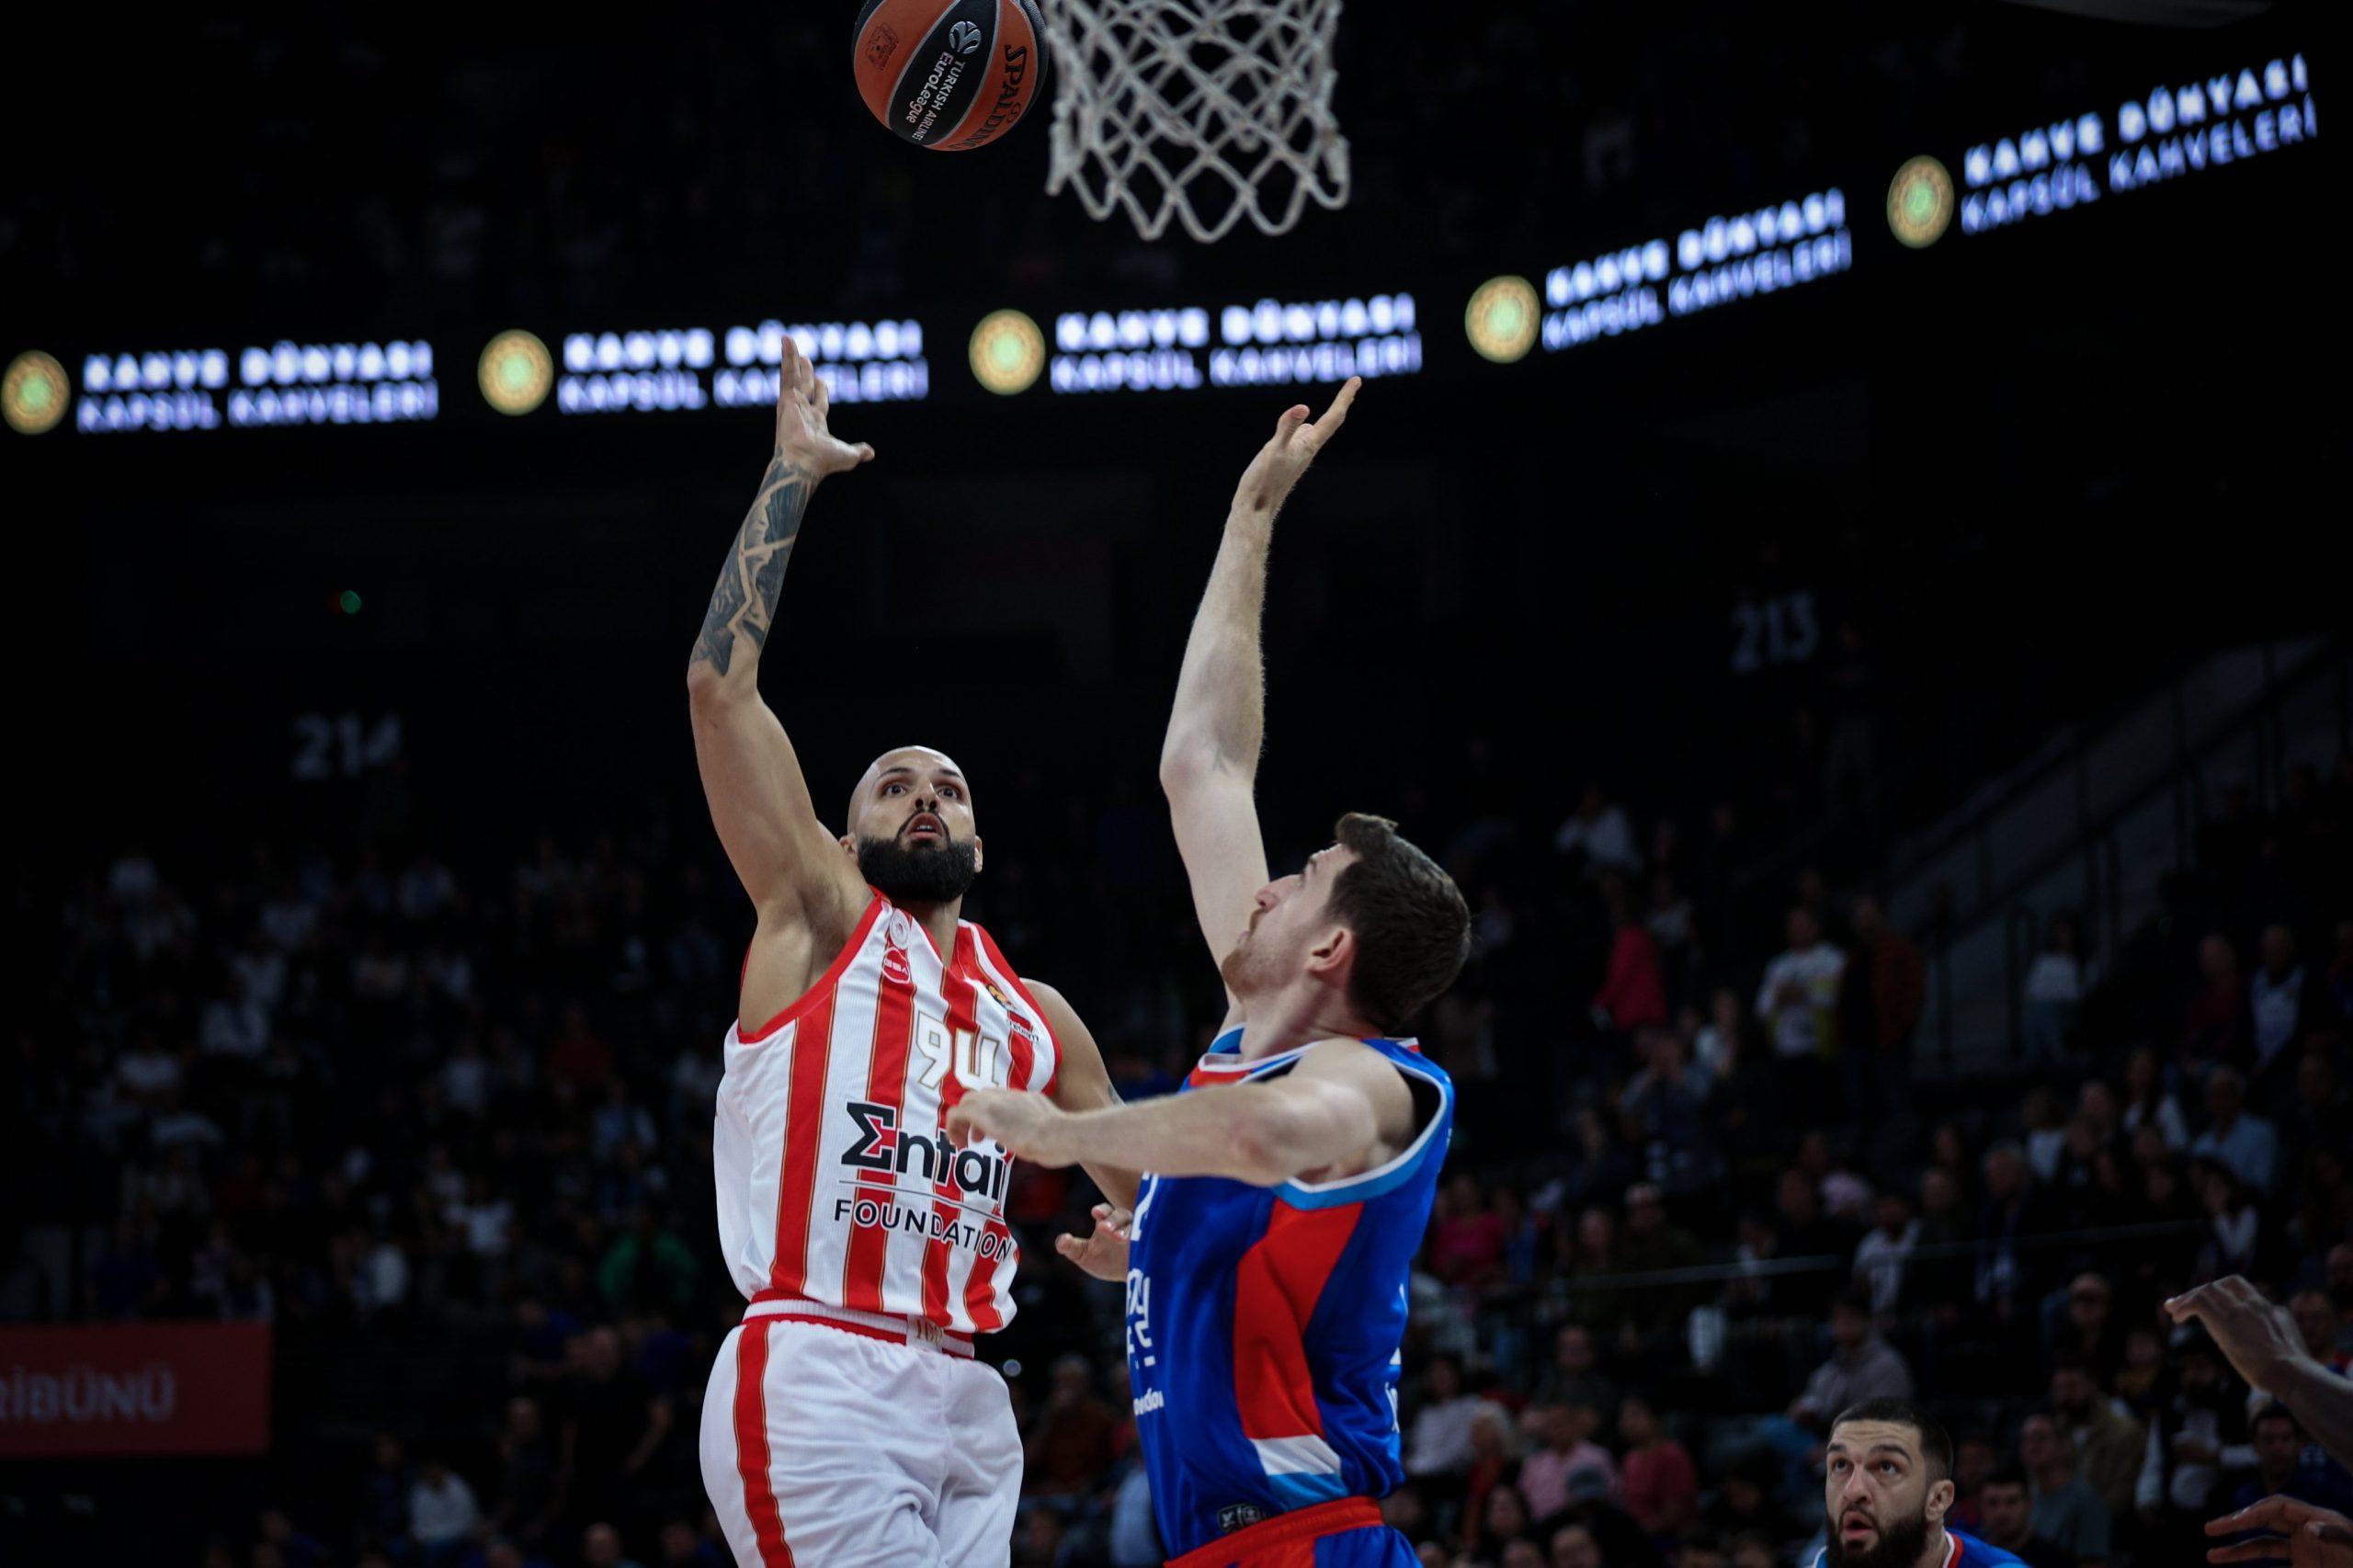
column 752, row 1445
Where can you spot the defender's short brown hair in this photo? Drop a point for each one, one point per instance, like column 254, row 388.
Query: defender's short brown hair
column 1411, row 926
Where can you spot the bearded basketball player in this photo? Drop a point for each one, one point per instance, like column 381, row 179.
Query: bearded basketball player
column 848, row 1422
column 1266, row 1260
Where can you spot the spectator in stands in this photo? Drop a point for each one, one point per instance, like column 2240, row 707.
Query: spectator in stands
column 1880, row 1256
column 2066, row 1512
column 2008, row 1270
column 2198, row 1434
column 2234, row 1223
column 1806, row 1232
column 2148, row 1102
column 1074, row 1438
column 1653, row 1244
column 1501, row 1522
column 613, row 1424
column 1438, row 1445
column 528, row 1465
column 1799, row 1004
column 1467, row 1236
column 1633, row 991
column 2089, row 1336
column 1573, row 1546
column 2109, row 1444
column 1665, row 1107
column 2005, row 1518
column 2284, row 1000
column 2214, row 1030
column 1861, row 1367
column 1574, row 1377
column 600, row 1546
column 382, row 1511
column 1882, row 990
column 2280, row 1468
column 441, row 1513
column 1601, row 834
column 1661, row 1485
column 1567, row 1431
column 2055, row 984
column 1744, row 1502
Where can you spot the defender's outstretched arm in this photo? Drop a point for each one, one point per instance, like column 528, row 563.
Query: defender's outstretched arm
column 791, row 866
column 1209, row 760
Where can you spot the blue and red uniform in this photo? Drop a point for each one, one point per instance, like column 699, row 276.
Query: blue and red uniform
column 1263, row 1333
column 1961, row 1552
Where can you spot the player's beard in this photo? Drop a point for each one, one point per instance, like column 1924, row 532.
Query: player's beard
column 920, row 873
column 1898, row 1544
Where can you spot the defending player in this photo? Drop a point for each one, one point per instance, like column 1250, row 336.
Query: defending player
column 1265, row 1261
column 847, row 1422
column 1887, row 1485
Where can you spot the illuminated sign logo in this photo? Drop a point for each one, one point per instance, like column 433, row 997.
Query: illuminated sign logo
column 1502, row 319
column 34, row 394
column 1268, row 343
column 1007, row 352
column 516, row 373
column 1721, row 262
column 964, row 38
column 696, row 368
column 285, row 383
column 1920, row 202
column 2163, row 135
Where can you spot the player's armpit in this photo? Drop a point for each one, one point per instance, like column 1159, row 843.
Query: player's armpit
column 1082, row 1082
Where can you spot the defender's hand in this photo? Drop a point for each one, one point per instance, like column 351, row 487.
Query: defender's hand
column 1283, row 460
column 802, row 436
column 2257, row 1337
column 1105, row 1253
column 2306, row 1536
column 1027, row 1126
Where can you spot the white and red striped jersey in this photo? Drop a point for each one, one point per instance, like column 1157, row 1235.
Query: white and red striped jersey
column 836, row 1183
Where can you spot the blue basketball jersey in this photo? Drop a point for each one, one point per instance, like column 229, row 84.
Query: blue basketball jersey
column 1961, row 1552
column 1264, row 1322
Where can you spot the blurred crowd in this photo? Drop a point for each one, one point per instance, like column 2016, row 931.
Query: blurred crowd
column 445, row 1123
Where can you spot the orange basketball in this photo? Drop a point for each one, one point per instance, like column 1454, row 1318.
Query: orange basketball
column 949, row 74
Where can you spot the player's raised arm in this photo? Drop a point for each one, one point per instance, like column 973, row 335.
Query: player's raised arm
column 1208, row 762
column 793, row 869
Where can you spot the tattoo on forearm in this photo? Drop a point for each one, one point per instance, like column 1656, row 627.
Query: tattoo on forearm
column 743, row 604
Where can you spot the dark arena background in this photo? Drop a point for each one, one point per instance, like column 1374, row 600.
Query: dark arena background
column 1945, row 550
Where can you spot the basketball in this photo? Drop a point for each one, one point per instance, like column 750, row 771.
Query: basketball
column 949, row 77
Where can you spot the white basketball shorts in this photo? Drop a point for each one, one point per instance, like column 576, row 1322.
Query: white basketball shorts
column 841, row 1439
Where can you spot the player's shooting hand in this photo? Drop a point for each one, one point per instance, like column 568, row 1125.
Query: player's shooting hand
column 2258, row 1338
column 802, row 436
column 1026, row 1126
column 1295, row 443
column 1105, row 1253
column 2298, row 1533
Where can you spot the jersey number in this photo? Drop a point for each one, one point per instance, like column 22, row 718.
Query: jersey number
column 979, row 1061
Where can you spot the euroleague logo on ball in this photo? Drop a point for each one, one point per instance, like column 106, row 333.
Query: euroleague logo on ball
column 964, row 38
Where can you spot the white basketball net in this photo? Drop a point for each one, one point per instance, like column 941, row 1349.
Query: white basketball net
column 1206, row 111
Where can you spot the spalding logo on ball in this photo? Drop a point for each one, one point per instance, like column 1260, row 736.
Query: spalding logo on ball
column 949, row 74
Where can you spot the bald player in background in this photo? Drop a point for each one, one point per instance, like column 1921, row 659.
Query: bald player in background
column 869, row 1248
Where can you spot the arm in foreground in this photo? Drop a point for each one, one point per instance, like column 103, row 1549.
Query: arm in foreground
column 1337, row 1110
